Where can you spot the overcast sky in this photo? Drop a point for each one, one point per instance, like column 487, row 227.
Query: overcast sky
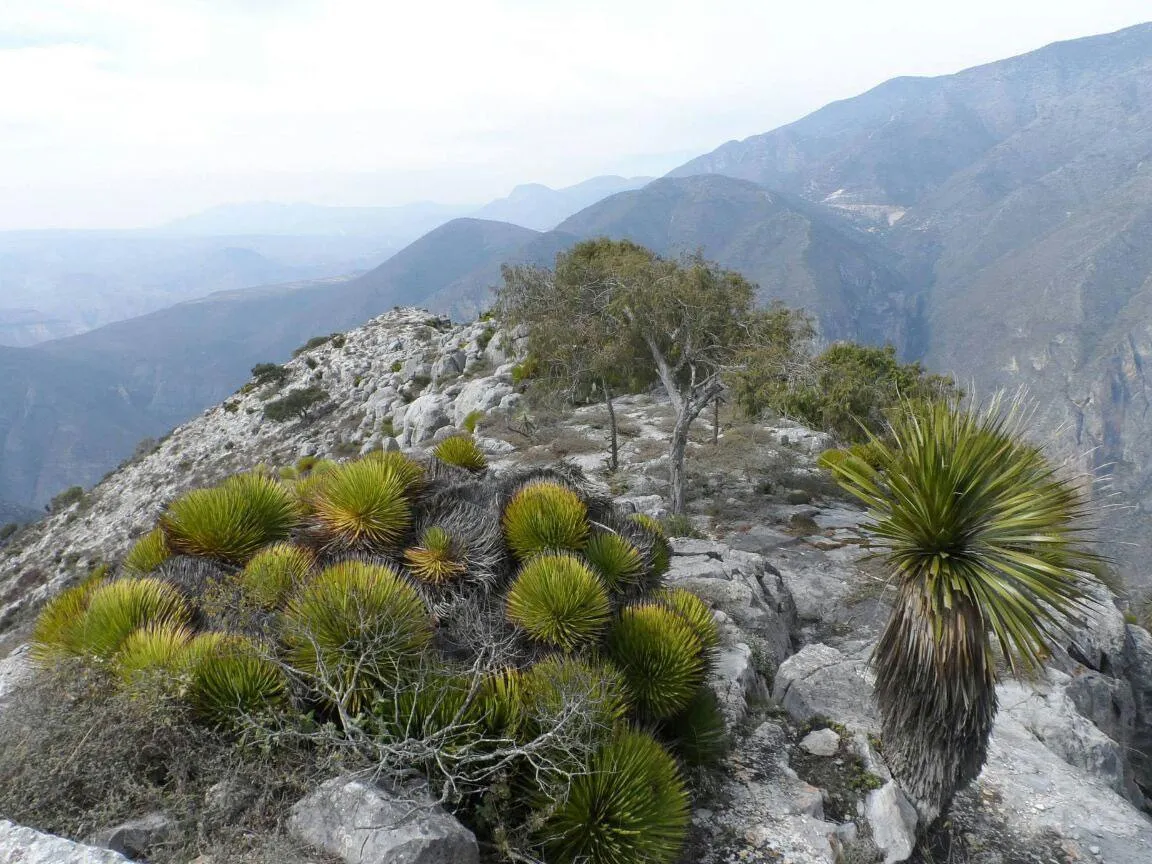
column 119, row 113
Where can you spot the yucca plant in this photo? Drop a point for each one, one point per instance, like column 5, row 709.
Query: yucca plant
column 501, row 702
column 559, row 602
column 631, row 807
column 148, row 553
column 985, row 541
column 589, row 696
column 355, row 628
column 116, row 609
column 232, row 521
column 274, row 572
column 437, row 558
column 229, row 677
column 58, row 627
column 409, row 470
column 363, row 504
column 698, row 734
column 660, row 656
column 158, row 649
column 617, row 560
column 545, row 517
column 434, row 704
column 661, row 550
column 461, row 451
column 695, row 612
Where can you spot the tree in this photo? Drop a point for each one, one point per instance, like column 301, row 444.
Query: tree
column 578, row 350
column 687, row 324
column 985, row 540
column 848, row 390
column 298, row 403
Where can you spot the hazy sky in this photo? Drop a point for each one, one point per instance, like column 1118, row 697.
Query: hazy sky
column 117, row 113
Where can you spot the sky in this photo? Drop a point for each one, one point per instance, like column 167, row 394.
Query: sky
column 128, row 113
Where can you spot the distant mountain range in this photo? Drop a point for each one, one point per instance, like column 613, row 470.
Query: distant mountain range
column 996, row 224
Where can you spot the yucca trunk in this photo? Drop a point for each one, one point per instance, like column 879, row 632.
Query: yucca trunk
column 936, row 690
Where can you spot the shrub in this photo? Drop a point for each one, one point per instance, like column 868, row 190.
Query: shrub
column 559, row 602
column 296, row 403
column 616, row 559
column 353, row 628
column 396, row 366
column 232, row 521
column 485, row 337
column 363, row 504
column 8, row 530
column 437, row 559
column 631, row 806
column 660, row 656
column 229, row 678
column 545, row 517
column 266, row 373
column 148, row 553
column 71, row 495
column 274, row 572
column 409, row 470
column 314, row 342
column 461, row 451
column 593, row 693
column 472, row 420
column 116, row 609
column 525, row 370
column 679, row 525
column 695, row 613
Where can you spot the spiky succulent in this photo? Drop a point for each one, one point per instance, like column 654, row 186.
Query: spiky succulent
column 158, row 649
column 695, row 612
column 545, row 517
column 461, row 451
column 363, row 504
column 58, row 627
column 698, row 734
column 408, row 469
column 617, row 560
column 354, row 628
column 274, row 572
column 661, row 550
column 148, row 553
column 437, row 558
column 230, row 677
column 116, row 609
column 631, row 807
column 660, row 656
column 586, row 695
column 559, row 602
column 230, row 522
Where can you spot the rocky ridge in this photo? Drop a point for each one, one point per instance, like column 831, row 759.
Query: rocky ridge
column 784, row 569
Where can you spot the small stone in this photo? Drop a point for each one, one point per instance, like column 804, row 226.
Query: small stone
column 135, row 838
column 822, row 742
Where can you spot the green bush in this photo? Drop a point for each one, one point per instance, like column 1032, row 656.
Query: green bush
column 525, row 370
column 545, row 517
column 8, row 530
column 116, row 609
column 148, row 553
column 472, row 420
column 71, row 495
column 357, row 626
column 559, row 602
column 591, row 693
column 362, row 504
column 157, row 649
column 316, row 342
column 461, row 451
column 631, row 806
column 57, row 630
column 437, row 559
column 660, row 656
column 232, row 521
column 274, row 572
column 617, row 560
column 270, row 373
column 697, row 734
column 300, row 403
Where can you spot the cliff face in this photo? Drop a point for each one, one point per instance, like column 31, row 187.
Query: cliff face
column 784, row 568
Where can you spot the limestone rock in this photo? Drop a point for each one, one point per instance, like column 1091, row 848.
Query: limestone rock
column 893, row 822
column 424, row 416
column 821, row 742
column 365, row 824
column 821, row 681
column 135, row 838
column 19, row 845
column 483, row 394
column 736, row 682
